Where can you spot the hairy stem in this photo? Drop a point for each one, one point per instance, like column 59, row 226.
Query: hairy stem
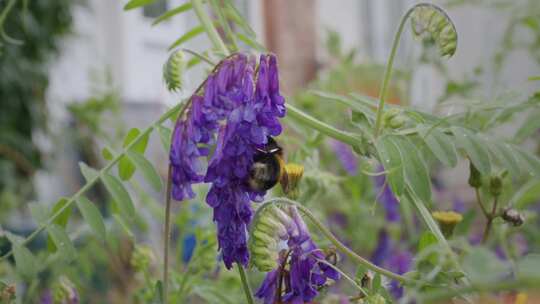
column 167, row 237
column 388, row 72
column 92, row 181
column 320, row 126
column 245, row 284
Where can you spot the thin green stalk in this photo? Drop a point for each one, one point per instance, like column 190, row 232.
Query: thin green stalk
column 388, row 72
column 167, row 237
column 320, row 126
column 245, row 284
column 91, row 182
column 340, row 246
column 209, row 27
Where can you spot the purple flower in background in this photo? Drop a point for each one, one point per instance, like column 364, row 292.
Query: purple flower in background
column 381, row 252
column 306, row 273
column 399, row 262
column 387, row 197
column 346, row 156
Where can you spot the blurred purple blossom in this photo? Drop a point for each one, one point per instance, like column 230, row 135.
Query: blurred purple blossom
column 386, row 197
column 346, row 156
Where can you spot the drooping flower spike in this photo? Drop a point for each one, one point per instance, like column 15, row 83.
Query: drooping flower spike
column 281, row 244
column 241, row 103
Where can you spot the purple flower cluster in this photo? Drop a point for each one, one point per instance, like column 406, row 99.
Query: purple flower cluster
column 387, row 198
column 243, row 107
column 305, row 274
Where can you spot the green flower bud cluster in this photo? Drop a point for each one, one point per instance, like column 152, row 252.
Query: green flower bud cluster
column 268, row 228
column 173, row 71
column 64, row 291
column 141, row 258
column 394, row 118
column 430, row 22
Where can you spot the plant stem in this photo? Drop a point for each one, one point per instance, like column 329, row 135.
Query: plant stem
column 388, row 72
column 340, row 246
column 480, row 203
column 92, row 181
column 167, row 236
column 245, row 284
column 213, row 35
column 490, row 217
column 320, row 126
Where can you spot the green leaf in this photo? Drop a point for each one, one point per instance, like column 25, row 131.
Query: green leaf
column 483, row 267
column 250, row 42
column 25, row 262
column 147, row 169
column 173, row 12
column 527, row 194
column 125, row 167
column 532, row 162
column 528, row 267
column 426, row 241
column 88, row 172
column 531, row 125
column 165, row 136
column 119, row 194
column 506, row 157
column 123, row 225
column 474, row 147
column 232, row 13
column 391, row 160
column 62, row 242
column 137, row 3
column 92, row 216
column 414, row 169
column 107, row 153
column 194, row 32
column 441, row 145
column 61, row 220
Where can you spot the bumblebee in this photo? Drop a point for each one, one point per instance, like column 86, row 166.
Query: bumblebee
column 268, row 167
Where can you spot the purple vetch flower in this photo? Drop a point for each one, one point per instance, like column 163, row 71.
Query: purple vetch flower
column 400, row 262
column 387, row 197
column 242, row 106
column 346, row 156
column 305, row 275
column 254, row 118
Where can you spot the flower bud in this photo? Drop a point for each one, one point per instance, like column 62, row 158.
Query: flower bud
column 447, row 220
column 513, row 217
column 141, row 258
column 431, row 23
column 475, row 178
column 173, row 71
column 495, row 185
column 291, row 179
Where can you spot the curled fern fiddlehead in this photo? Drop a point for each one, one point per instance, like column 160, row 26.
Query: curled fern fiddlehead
column 431, row 23
column 173, row 70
